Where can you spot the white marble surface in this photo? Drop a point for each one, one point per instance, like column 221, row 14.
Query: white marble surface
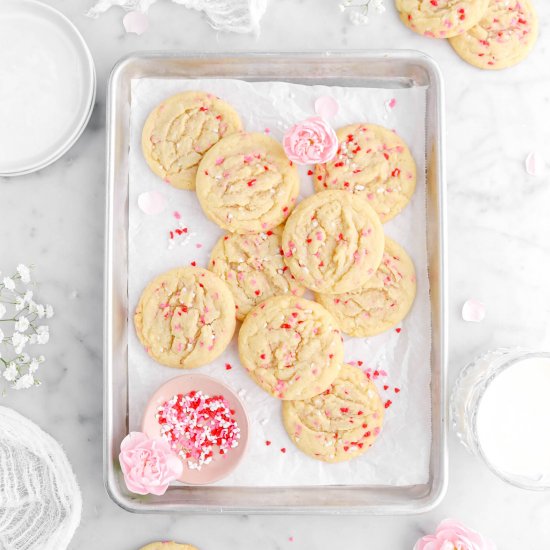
column 499, row 253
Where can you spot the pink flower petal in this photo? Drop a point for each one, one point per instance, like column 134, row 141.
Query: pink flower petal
column 326, row 106
column 534, row 164
column 473, row 311
column 135, row 22
column 151, row 202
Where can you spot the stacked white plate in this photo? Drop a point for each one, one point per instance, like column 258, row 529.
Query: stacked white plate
column 47, row 86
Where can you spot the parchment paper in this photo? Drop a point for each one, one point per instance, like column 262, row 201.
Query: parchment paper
column 401, row 454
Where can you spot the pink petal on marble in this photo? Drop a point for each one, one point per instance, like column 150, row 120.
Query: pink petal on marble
column 135, row 22
column 473, row 311
column 534, row 164
column 326, row 106
column 151, row 202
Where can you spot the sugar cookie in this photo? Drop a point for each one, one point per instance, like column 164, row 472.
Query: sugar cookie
column 333, row 242
column 180, row 130
column 383, row 302
column 185, row 317
column 441, row 18
column 246, row 184
column 503, row 37
column 341, row 423
column 252, row 266
column 168, row 545
column 291, row 347
column 374, row 163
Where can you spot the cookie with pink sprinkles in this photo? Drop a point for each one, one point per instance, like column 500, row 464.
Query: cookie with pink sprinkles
column 441, row 18
column 333, row 242
column 180, row 130
column 252, row 265
column 503, row 37
column 185, row 317
column 372, row 162
column 246, row 183
column 340, row 424
column 291, row 347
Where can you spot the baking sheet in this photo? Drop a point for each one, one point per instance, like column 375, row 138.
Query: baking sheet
column 400, row 457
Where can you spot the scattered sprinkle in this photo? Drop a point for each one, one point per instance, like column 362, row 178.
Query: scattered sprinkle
column 390, row 104
column 283, row 450
column 228, row 366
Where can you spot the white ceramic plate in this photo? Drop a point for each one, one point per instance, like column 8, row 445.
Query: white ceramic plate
column 47, row 86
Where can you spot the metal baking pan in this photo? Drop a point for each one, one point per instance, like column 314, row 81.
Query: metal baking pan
column 388, row 69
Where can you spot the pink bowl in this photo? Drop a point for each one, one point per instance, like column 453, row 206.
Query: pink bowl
column 221, row 465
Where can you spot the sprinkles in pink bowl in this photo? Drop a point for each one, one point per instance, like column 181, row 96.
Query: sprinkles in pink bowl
column 204, row 424
column 311, row 141
column 197, row 425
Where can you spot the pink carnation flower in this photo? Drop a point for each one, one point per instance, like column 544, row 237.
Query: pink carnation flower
column 148, row 465
column 452, row 535
column 310, row 142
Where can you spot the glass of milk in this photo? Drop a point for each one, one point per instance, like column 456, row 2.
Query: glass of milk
column 500, row 410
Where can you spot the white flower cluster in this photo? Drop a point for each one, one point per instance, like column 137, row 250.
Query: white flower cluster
column 359, row 10
column 21, row 325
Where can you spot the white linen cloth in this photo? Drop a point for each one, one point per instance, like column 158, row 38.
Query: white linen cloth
column 40, row 501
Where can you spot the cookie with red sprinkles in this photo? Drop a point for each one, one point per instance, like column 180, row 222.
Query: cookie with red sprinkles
column 340, row 424
column 333, row 242
column 246, row 183
column 180, row 130
column 503, row 37
column 185, row 317
column 383, row 302
column 441, row 18
column 374, row 163
column 291, row 347
column 252, row 265
column 168, row 545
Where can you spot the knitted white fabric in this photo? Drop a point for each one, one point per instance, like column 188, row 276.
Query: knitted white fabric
column 40, row 502
column 240, row 16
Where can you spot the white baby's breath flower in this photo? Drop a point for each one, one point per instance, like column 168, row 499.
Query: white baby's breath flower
column 41, row 358
column 43, row 334
column 10, row 372
column 8, row 283
column 19, row 341
column 40, row 311
column 378, row 6
column 24, row 382
column 2, row 310
column 49, row 311
column 33, row 339
column 1, row 335
column 22, row 324
column 28, row 296
column 20, row 303
column 33, row 365
column 24, row 273
column 358, row 18
column 23, row 358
